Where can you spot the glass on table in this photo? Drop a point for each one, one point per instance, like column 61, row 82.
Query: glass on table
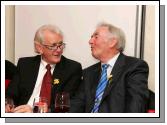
column 62, row 102
column 9, row 105
column 40, row 105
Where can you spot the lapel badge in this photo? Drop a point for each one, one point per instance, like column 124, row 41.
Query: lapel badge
column 56, row 81
column 110, row 78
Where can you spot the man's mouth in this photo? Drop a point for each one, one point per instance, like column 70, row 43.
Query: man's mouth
column 56, row 55
column 92, row 48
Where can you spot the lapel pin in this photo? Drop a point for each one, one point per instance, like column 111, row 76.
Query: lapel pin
column 110, row 78
column 56, row 81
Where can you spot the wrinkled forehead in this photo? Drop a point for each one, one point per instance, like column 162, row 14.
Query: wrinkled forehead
column 52, row 37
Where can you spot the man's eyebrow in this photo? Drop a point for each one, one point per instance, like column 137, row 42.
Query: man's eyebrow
column 60, row 42
column 94, row 34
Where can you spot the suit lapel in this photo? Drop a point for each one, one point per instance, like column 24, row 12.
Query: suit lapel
column 58, row 76
column 94, row 80
column 117, row 69
column 35, row 71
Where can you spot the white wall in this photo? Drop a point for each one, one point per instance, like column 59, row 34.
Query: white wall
column 77, row 23
column 149, row 46
column 149, row 50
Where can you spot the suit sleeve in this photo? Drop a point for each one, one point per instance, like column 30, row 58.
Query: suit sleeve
column 137, row 88
column 74, row 80
column 10, row 70
column 13, row 88
column 78, row 101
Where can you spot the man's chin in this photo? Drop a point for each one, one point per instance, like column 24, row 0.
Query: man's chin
column 95, row 56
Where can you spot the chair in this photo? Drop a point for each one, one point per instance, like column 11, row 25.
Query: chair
column 7, row 81
column 151, row 102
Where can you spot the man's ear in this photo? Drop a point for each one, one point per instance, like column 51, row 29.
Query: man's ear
column 38, row 47
column 113, row 42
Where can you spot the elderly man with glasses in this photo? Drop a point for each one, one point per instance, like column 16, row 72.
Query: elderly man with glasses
column 64, row 74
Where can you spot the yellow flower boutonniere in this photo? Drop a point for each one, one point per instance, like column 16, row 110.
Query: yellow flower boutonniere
column 56, row 81
column 110, row 79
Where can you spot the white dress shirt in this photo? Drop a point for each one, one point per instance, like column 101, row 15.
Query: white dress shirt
column 111, row 63
column 38, row 84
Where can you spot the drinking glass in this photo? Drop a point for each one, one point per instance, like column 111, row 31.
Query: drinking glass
column 40, row 105
column 62, row 102
column 9, row 105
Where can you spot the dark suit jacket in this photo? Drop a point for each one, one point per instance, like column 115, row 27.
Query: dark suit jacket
column 10, row 70
column 128, row 91
column 67, row 71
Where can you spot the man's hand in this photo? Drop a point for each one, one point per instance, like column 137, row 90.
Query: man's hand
column 23, row 109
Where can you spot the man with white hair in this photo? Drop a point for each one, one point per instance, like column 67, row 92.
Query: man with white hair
column 62, row 74
column 118, row 83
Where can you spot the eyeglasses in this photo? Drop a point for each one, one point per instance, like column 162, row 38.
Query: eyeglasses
column 55, row 46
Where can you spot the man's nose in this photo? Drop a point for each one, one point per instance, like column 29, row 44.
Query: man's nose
column 91, row 41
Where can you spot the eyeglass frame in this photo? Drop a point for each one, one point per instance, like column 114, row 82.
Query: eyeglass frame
column 61, row 46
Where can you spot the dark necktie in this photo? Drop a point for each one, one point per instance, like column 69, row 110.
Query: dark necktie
column 46, row 85
column 100, row 88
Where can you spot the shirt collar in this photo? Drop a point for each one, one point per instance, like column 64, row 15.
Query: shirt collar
column 44, row 63
column 112, row 61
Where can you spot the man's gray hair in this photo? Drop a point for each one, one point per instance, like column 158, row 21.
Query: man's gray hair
column 39, row 36
column 115, row 32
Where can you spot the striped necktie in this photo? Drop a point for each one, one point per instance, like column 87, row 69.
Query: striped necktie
column 100, row 88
